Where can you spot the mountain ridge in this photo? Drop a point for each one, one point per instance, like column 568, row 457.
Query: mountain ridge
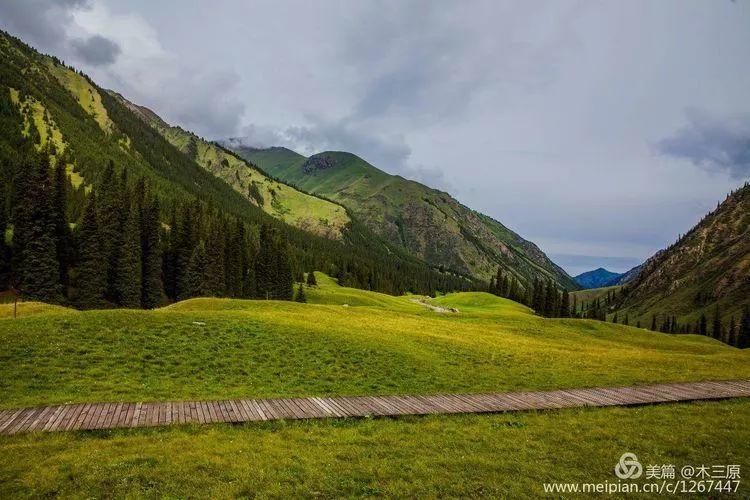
column 429, row 223
column 707, row 269
column 597, row 278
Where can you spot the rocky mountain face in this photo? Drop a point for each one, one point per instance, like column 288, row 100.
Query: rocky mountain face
column 708, row 267
column 428, row 223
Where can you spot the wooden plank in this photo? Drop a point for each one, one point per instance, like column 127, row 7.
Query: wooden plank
column 260, row 410
column 41, row 419
column 111, row 415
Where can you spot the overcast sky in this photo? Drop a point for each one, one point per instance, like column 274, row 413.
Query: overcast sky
column 598, row 130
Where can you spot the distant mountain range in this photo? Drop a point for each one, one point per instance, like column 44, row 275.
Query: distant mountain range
column 601, row 277
column 428, row 223
column 597, row 278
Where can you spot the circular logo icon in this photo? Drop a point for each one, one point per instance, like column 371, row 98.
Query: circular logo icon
column 628, row 467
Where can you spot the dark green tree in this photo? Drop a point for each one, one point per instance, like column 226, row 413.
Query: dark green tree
column 311, row 281
column 38, row 267
column 716, row 329
column 703, row 325
column 565, row 305
column 743, row 332
column 152, row 287
column 91, row 280
column 194, row 276
column 60, row 220
column 731, row 332
column 129, row 272
column 300, row 297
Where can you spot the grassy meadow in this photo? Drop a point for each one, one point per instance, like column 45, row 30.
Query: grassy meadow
column 350, row 342
column 502, row 456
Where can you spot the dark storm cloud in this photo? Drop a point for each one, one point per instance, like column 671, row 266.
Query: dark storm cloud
column 41, row 22
column 96, row 50
column 712, row 143
column 47, row 23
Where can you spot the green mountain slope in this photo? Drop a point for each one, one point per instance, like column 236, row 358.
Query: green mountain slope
column 45, row 105
column 430, row 224
column 279, row 200
column 706, row 268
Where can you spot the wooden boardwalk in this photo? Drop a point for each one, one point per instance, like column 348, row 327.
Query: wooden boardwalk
column 88, row 416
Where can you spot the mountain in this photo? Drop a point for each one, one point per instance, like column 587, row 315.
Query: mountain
column 279, row 200
column 428, row 223
column 626, row 277
column 708, row 267
column 597, row 278
column 208, row 201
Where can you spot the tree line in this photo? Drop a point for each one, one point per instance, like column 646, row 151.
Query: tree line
column 543, row 296
column 122, row 254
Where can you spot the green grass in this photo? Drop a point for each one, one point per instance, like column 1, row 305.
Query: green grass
column 85, row 94
column 222, row 348
column 376, row 344
column 508, row 456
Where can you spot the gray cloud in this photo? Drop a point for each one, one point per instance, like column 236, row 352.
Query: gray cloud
column 715, row 144
column 389, row 152
column 42, row 23
column 96, row 50
column 538, row 114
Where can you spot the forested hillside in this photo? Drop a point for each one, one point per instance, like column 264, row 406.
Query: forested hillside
column 700, row 284
column 135, row 221
column 299, row 209
column 427, row 223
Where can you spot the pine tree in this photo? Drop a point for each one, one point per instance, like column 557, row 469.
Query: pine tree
column 614, row 318
column 91, row 282
column 653, row 322
column 550, row 300
column 716, row 327
column 743, row 333
column 565, row 305
column 113, row 206
column 194, row 276
column 285, row 277
column 731, row 332
column 265, row 269
column 186, row 241
column 60, row 220
column 300, row 297
column 233, row 272
column 214, row 279
column 38, row 267
column 703, row 325
column 152, row 287
column 311, row 281
column 129, row 271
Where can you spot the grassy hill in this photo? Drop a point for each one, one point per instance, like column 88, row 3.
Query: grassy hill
column 428, row 223
column 349, row 342
column 282, row 201
column 346, row 342
column 708, row 267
